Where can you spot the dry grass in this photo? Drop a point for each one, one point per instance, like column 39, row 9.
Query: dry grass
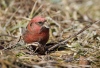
column 65, row 17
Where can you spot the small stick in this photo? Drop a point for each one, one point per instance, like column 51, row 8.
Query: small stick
column 33, row 9
column 72, row 36
column 8, row 36
column 11, row 18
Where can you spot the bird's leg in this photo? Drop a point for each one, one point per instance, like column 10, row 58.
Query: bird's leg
column 34, row 46
column 37, row 46
column 36, row 49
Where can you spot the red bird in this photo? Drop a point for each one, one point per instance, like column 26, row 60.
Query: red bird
column 36, row 31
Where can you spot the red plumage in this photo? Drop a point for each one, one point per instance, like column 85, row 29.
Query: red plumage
column 36, row 32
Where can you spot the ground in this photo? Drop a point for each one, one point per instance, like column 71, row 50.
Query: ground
column 65, row 18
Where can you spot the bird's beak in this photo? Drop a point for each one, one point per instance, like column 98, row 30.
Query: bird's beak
column 44, row 27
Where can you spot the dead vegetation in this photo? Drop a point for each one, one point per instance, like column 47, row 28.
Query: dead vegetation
column 65, row 17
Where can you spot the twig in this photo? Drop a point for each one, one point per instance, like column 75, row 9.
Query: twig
column 38, row 9
column 33, row 9
column 72, row 36
column 8, row 36
column 11, row 17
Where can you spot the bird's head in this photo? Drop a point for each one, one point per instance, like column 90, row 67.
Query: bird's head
column 36, row 24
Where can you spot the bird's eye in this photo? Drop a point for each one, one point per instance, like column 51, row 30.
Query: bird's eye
column 40, row 23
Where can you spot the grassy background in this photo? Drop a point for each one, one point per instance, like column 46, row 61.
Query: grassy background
column 65, row 17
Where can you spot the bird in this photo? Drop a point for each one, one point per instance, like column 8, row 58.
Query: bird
column 36, row 31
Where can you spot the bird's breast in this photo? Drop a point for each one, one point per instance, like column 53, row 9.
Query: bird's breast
column 42, row 37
